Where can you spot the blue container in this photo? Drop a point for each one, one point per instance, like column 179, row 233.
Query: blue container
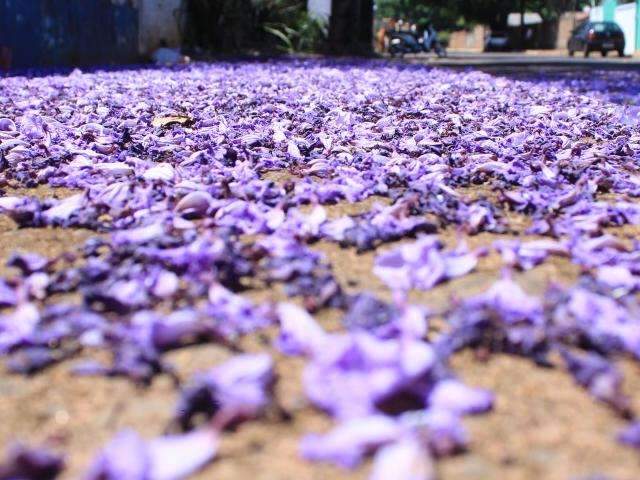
column 47, row 33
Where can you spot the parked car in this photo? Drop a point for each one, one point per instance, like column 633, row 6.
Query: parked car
column 602, row 37
column 497, row 42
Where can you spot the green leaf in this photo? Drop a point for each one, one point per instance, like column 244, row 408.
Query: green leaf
column 288, row 44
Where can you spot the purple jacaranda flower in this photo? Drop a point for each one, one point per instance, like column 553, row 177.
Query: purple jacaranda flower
column 380, row 225
column 396, row 266
column 526, row 255
column 134, row 361
column 173, row 457
column 408, row 321
column 37, row 285
column 210, row 202
column 299, row 334
column 436, row 432
column 157, row 332
column 7, row 125
column 405, row 459
column 9, row 204
column 479, row 217
column 630, row 435
column 508, row 297
column 368, row 313
column 597, row 251
column 458, row 398
column 599, row 377
column 504, row 318
column 616, row 277
column 441, row 430
column 233, row 314
column 62, row 211
column 194, row 204
column 600, row 319
column 297, row 224
column 337, row 229
column 28, row 263
column 119, row 296
column 349, row 442
column 139, row 235
column 25, row 463
column 237, row 390
column 422, row 265
column 162, row 171
column 166, row 284
column 113, row 169
column 358, row 374
column 34, row 359
column 8, row 295
column 17, row 327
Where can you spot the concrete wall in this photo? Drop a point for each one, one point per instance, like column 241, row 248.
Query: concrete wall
column 158, row 21
column 469, row 39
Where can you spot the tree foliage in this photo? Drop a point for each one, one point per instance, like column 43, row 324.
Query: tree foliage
column 457, row 13
column 235, row 25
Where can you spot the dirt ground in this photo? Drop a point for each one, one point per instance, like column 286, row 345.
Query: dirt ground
column 543, row 425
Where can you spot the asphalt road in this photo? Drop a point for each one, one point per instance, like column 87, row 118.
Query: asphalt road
column 527, row 60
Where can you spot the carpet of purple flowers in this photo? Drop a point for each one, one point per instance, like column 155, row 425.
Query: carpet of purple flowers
column 313, row 226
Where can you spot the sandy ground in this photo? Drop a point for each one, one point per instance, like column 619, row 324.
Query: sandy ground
column 543, row 425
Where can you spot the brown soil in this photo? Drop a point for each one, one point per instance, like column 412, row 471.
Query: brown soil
column 543, row 425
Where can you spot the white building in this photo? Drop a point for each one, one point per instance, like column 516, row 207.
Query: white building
column 319, row 8
column 158, row 20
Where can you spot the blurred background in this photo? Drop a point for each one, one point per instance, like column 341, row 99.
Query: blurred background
column 45, row 33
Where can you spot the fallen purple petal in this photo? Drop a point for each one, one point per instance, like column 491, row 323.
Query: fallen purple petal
column 25, row 463
column 204, row 185
column 163, row 458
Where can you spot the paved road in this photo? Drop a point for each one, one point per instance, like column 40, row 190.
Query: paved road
column 526, row 60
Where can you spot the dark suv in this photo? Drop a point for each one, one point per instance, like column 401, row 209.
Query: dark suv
column 600, row 37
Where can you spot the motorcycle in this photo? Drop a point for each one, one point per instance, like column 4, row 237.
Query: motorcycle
column 430, row 42
column 402, row 43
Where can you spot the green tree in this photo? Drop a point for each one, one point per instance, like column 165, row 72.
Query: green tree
column 289, row 23
column 458, row 13
column 442, row 14
column 235, row 25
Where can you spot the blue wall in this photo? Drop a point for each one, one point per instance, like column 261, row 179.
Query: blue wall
column 69, row 32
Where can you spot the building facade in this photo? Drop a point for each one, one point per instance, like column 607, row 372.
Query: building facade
column 159, row 20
